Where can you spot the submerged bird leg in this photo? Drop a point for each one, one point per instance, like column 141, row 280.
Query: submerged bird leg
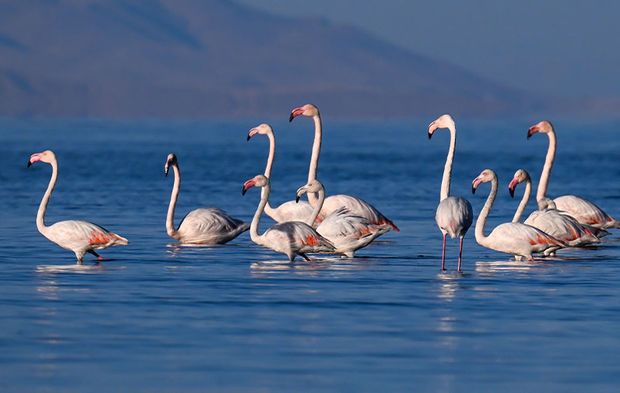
column 304, row 256
column 460, row 254
column 443, row 253
column 99, row 257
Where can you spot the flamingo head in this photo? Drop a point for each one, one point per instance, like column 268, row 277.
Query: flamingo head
column 443, row 121
column 256, row 181
column 546, row 203
column 308, row 110
column 46, row 156
column 544, row 126
column 520, row 176
column 171, row 160
column 263, row 129
column 485, row 176
column 312, row 186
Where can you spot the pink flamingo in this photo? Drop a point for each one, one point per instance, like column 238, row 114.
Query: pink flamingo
column 513, row 238
column 355, row 205
column 454, row 214
column 288, row 211
column 345, row 230
column 582, row 210
column 550, row 221
column 81, row 237
column 291, row 238
column 200, row 226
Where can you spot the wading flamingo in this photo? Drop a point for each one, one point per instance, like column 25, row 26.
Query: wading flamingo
column 200, row 226
column 291, row 238
column 81, row 237
column 513, row 238
column 288, row 211
column 345, row 230
column 550, row 221
column 355, row 205
column 582, row 210
column 454, row 214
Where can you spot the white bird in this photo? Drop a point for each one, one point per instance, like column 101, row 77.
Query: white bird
column 355, row 205
column 291, row 238
column 550, row 221
column 347, row 231
column 81, row 237
column 288, row 211
column 513, row 238
column 581, row 209
column 454, row 214
column 200, row 226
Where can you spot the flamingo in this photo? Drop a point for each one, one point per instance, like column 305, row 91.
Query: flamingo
column 581, row 209
column 355, row 205
column 288, row 211
column 513, row 238
column 81, row 237
column 291, row 238
column 345, row 230
column 454, row 214
column 200, row 226
column 550, row 220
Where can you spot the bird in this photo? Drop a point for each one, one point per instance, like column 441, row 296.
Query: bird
column 513, row 238
column 355, row 205
column 347, row 231
column 292, row 237
column 288, row 211
column 454, row 214
column 581, row 209
column 81, row 237
column 200, row 226
column 550, row 220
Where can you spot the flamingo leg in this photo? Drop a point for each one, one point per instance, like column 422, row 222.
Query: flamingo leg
column 304, row 256
column 460, row 254
column 443, row 253
column 99, row 257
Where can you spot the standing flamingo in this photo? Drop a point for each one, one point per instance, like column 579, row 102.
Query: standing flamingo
column 345, row 230
column 81, row 237
column 200, row 226
column 288, row 211
column 355, row 205
column 550, row 221
column 454, row 214
column 513, row 238
column 291, row 238
column 581, row 209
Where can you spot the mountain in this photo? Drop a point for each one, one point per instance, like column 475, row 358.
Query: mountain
column 217, row 58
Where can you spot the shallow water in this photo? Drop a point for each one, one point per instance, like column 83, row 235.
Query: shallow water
column 159, row 318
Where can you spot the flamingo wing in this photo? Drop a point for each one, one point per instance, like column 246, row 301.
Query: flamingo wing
column 357, row 207
column 210, row 223
column 82, row 235
column 585, row 211
column 561, row 227
column 291, row 211
column 520, row 239
column 454, row 216
column 298, row 237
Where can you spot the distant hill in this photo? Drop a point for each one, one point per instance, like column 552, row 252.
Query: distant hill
column 203, row 58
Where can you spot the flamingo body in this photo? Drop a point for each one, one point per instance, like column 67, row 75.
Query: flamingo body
column 290, row 211
column 585, row 212
column 356, row 207
column 454, row 216
column 209, row 226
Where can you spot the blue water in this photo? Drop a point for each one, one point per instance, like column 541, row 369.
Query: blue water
column 239, row 318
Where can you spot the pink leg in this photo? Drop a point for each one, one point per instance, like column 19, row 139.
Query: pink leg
column 443, row 254
column 460, row 254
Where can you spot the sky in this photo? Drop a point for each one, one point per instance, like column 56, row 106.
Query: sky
column 565, row 48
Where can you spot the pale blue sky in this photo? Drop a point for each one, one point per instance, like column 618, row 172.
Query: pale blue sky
column 558, row 47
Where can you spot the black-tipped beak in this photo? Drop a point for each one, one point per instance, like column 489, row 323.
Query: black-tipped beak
column 249, row 137
column 430, row 135
column 531, row 131
column 29, row 164
column 511, row 191
column 473, row 189
column 297, row 198
column 243, row 190
column 291, row 117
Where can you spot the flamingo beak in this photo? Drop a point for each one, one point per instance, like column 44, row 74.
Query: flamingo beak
column 532, row 130
column 512, row 186
column 251, row 133
column 33, row 158
column 166, row 167
column 431, row 129
column 247, row 185
column 300, row 191
column 294, row 113
column 475, row 184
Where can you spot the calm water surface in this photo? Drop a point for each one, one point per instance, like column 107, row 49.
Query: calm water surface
column 239, row 318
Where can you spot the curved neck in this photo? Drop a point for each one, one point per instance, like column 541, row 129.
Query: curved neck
column 317, row 207
column 524, row 200
column 269, row 166
column 447, row 170
column 264, row 198
column 46, row 198
column 541, row 191
column 173, row 202
column 482, row 218
column 314, row 160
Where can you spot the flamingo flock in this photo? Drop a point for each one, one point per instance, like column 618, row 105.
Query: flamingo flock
column 344, row 224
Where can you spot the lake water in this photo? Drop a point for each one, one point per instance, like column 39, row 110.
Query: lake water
column 239, row 318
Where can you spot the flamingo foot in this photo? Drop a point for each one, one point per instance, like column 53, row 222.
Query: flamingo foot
column 304, row 256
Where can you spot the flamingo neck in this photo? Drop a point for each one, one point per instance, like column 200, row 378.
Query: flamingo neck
column 541, row 191
column 524, row 200
column 272, row 153
column 264, row 198
column 173, row 202
column 482, row 218
column 314, row 160
column 317, row 207
column 447, row 170
column 46, row 198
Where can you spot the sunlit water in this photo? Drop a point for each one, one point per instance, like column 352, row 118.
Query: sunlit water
column 239, row 318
